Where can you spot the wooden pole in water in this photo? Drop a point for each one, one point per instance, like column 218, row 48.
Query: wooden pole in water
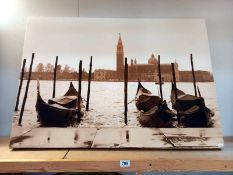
column 20, row 85
column 126, row 91
column 79, row 89
column 193, row 73
column 176, row 97
column 199, row 93
column 160, row 78
column 55, row 77
column 89, row 85
column 26, row 91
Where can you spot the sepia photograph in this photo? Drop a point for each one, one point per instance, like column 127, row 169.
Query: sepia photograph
column 116, row 83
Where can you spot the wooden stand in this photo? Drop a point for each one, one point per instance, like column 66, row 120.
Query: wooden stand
column 78, row 160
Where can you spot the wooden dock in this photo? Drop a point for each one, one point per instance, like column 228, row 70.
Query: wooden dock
column 126, row 137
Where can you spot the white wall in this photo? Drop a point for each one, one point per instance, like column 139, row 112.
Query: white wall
column 218, row 15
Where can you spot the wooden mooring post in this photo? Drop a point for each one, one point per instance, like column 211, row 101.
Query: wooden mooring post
column 20, row 85
column 55, row 77
column 89, row 85
column 126, row 91
column 160, row 79
column 26, row 91
column 176, row 97
column 193, row 73
column 79, row 90
column 199, row 93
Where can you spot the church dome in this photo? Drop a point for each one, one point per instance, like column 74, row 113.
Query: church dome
column 152, row 60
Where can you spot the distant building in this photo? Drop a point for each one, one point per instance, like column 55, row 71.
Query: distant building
column 166, row 72
column 201, row 76
column 120, row 59
column 60, row 76
column 147, row 71
column 103, row 74
column 144, row 72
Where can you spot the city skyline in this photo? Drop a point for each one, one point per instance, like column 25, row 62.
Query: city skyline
column 143, row 72
column 48, row 36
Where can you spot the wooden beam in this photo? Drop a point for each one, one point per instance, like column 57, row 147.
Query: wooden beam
column 79, row 90
column 199, row 93
column 126, row 91
column 89, row 85
column 193, row 73
column 20, row 85
column 26, row 91
column 160, row 78
column 55, row 77
column 174, row 81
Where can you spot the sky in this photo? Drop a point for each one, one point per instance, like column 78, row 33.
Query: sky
column 74, row 39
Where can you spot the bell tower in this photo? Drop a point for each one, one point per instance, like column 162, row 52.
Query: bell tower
column 120, row 58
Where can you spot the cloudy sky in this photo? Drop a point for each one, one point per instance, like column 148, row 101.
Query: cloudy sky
column 73, row 39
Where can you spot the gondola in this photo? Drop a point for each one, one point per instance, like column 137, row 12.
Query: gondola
column 191, row 109
column 68, row 100
column 145, row 100
column 153, row 111
column 58, row 112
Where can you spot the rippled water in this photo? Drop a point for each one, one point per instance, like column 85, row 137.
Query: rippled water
column 107, row 100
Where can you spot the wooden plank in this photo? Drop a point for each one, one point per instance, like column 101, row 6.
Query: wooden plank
column 18, row 131
column 108, row 160
column 113, row 166
column 55, row 138
column 159, row 160
column 126, row 137
column 130, row 138
column 202, row 138
column 6, row 154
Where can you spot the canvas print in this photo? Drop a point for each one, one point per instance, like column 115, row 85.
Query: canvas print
column 116, row 83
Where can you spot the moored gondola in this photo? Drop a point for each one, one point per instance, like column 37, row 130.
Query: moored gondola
column 68, row 100
column 153, row 111
column 145, row 100
column 191, row 109
column 58, row 112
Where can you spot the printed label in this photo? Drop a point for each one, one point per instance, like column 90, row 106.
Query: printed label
column 124, row 163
